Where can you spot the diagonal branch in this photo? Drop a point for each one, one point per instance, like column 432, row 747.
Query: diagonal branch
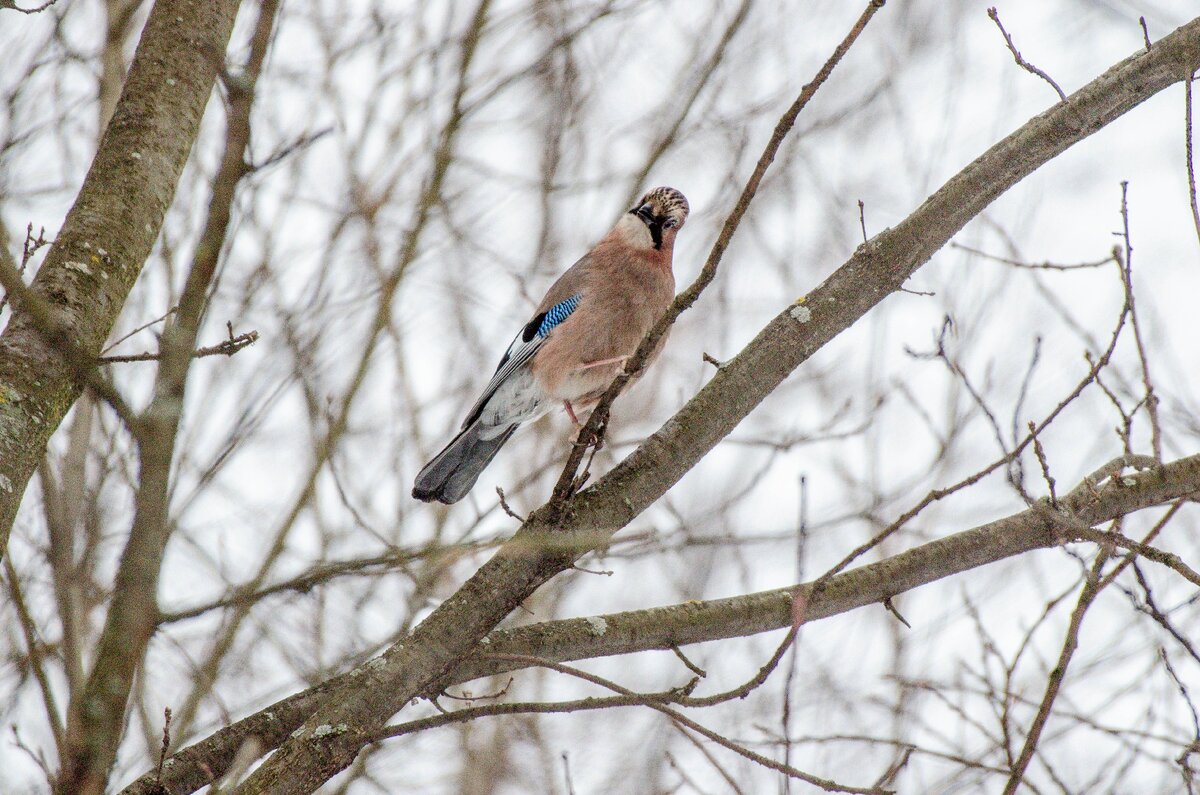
column 109, row 232
column 679, row 719
column 558, row 534
column 96, row 719
column 668, row 627
column 1021, row 62
column 597, row 422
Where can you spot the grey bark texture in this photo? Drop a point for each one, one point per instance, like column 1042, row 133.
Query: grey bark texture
column 349, row 716
column 697, row 622
column 109, row 232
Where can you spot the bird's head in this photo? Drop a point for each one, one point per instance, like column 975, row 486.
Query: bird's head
column 655, row 219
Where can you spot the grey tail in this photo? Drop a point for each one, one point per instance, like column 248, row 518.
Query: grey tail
column 452, row 472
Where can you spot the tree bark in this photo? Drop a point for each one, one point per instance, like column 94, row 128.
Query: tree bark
column 95, row 720
column 109, row 232
column 718, row 619
column 351, row 715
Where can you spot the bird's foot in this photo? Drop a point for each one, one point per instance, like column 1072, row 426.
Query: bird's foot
column 596, row 440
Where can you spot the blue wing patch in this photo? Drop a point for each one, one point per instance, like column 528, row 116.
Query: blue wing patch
column 557, row 314
column 522, row 349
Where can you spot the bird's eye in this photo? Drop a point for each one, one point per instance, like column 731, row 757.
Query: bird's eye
column 670, row 223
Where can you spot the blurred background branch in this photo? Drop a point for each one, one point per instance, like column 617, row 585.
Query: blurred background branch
column 411, row 177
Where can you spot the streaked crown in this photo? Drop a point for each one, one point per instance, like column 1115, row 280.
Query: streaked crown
column 666, row 203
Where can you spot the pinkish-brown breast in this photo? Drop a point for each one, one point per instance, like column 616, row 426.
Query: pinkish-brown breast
column 624, row 293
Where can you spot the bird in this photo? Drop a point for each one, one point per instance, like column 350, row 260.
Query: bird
column 589, row 323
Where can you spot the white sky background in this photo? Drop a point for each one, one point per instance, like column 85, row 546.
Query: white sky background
column 928, row 87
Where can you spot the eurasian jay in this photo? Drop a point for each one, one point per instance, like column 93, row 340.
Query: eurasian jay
column 591, row 320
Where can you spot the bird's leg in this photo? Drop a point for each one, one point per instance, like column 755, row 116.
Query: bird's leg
column 601, row 363
column 571, row 413
column 596, row 441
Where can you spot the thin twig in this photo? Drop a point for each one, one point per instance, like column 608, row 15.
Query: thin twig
column 30, row 247
column 1087, row 595
column 1091, row 589
column 712, row 760
column 785, row 717
column 300, row 143
column 1188, row 151
column 1145, row 32
column 166, row 742
column 36, row 651
column 891, row 773
column 1126, row 263
column 691, row 666
column 1183, row 691
column 1045, row 465
column 598, row 421
column 567, row 774
column 938, row 494
column 1035, row 266
column 142, row 327
column 891, row 608
column 446, row 718
column 38, row 757
column 961, row 551
column 1021, row 62
column 224, row 348
column 1136, row 546
column 1155, row 612
column 12, row 4
column 661, row 706
column 505, row 507
column 1168, row 559
column 685, row 104
column 467, row 696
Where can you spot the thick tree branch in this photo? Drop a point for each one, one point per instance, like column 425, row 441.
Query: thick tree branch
column 109, row 232
column 550, row 541
column 1092, row 503
column 422, row 216
column 96, row 718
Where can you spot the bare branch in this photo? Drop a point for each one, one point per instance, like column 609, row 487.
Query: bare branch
column 698, row 622
column 1087, row 595
column 597, row 423
column 1188, row 152
column 225, row 348
column 110, row 230
column 1021, row 62
column 1126, row 262
column 95, row 719
column 552, row 540
column 36, row 10
column 822, row 783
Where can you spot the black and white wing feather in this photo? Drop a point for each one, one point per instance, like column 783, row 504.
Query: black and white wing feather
column 511, row 396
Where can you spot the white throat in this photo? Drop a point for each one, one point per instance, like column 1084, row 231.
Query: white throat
column 634, row 232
